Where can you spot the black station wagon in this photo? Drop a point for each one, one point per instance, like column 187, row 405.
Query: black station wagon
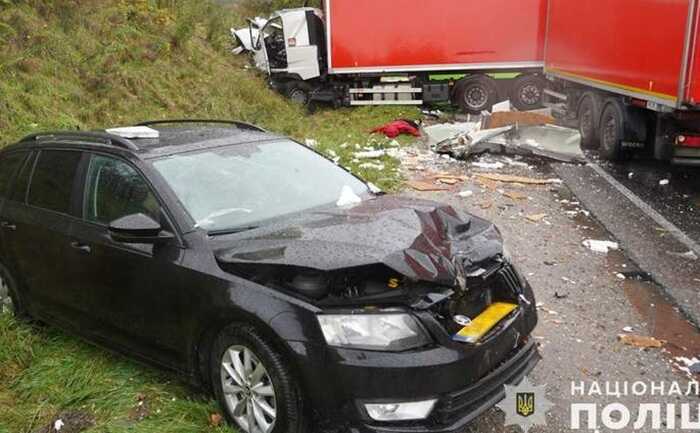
column 252, row 266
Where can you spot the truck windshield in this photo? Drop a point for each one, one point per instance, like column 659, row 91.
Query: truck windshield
column 227, row 189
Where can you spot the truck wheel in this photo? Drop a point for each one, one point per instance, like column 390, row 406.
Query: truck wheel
column 589, row 113
column 253, row 383
column 527, row 92
column 612, row 131
column 476, row 93
column 298, row 92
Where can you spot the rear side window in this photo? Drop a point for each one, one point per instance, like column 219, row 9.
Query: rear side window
column 52, row 181
column 114, row 190
column 9, row 164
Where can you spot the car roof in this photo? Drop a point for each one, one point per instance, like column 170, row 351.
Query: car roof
column 174, row 137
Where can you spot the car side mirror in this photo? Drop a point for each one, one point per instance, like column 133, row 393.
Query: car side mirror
column 138, row 229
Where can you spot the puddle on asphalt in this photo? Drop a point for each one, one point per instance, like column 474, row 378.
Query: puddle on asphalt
column 661, row 318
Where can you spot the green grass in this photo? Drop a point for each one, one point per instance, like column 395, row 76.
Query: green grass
column 79, row 64
column 86, row 64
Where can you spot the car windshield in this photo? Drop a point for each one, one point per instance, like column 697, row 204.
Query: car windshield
column 238, row 186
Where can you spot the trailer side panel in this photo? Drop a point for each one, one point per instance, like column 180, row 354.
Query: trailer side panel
column 694, row 79
column 414, row 35
column 634, row 47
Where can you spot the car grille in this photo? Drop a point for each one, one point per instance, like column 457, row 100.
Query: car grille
column 510, row 277
column 482, row 395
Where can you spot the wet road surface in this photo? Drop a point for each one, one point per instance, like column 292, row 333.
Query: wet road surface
column 583, row 300
column 678, row 201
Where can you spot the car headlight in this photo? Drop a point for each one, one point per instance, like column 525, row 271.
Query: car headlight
column 392, row 332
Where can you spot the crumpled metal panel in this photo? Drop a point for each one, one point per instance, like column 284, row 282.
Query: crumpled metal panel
column 422, row 240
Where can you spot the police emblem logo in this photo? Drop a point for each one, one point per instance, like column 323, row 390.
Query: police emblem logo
column 525, row 403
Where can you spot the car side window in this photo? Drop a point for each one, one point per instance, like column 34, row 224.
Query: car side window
column 115, row 189
column 9, row 164
column 52, row 182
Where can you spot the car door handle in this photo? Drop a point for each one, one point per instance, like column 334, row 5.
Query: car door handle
column 8, row 226
column 84, row 249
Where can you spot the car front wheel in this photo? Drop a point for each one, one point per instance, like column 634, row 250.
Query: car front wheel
column 253, row 384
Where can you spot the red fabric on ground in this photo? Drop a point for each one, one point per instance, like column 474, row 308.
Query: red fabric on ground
column 396, row 128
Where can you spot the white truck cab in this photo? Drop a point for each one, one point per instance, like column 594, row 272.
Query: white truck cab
column 289, row 44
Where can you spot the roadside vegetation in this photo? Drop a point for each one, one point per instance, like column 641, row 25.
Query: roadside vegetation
column 86, row 64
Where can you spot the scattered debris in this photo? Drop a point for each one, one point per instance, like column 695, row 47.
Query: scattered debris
column 465, row 194
column 620, row 276
column 664, row 182
column 141, row 411
column 398, row 127
column 557, row 295
column 436, row 134
column 688, row 255
column 370, row 154
column 502, row 107
column 628, row 329
column 422, row 185
column 372, row 166
column 536, row 218
column 488, row 165
column 522, row 118
column 348, row 197
column 69, row 422
column 506, row 178
column 310, row 142
column 640, row 341
column 515, row 195
column 486, row 205
column 601, row 246
column 447, row 180
column 215, row 419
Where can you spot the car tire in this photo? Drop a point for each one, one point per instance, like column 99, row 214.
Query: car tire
column 527, row 92
column 475, row 94
column 276, row 406
column 589, row 113
column 612, row 132
column 9, row 295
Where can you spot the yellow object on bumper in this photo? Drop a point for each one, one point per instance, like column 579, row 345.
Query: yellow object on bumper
column 484, row 322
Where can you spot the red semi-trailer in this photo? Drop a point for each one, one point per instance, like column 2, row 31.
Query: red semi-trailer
column 392, row 52
column 629, row 72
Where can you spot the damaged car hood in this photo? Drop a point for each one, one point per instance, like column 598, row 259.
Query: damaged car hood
column 423, row 240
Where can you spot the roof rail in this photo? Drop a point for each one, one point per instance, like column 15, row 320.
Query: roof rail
column 105, row 138
column 241, row 125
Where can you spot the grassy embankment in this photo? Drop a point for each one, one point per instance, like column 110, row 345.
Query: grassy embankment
column 94, row 63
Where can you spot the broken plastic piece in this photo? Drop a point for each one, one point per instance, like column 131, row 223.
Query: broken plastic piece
column 348, row 197
column 641, row 341
column 600, row 246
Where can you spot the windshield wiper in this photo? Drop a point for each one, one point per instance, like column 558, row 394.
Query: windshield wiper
column 231, row 231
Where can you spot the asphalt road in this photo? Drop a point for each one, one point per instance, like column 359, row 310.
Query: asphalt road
column 584, row 303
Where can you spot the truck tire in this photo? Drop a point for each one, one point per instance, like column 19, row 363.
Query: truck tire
column 254, row 384
column 475, row 94
column 527, row 92
column 298, row 92
column 589, row 112
column 612, row 131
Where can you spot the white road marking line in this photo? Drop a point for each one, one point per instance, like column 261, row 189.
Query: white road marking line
column 648, row 210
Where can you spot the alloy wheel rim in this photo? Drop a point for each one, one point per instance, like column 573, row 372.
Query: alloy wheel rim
column 530, row 95
column 476, row 97
column 5, row 299
column 248, row 390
